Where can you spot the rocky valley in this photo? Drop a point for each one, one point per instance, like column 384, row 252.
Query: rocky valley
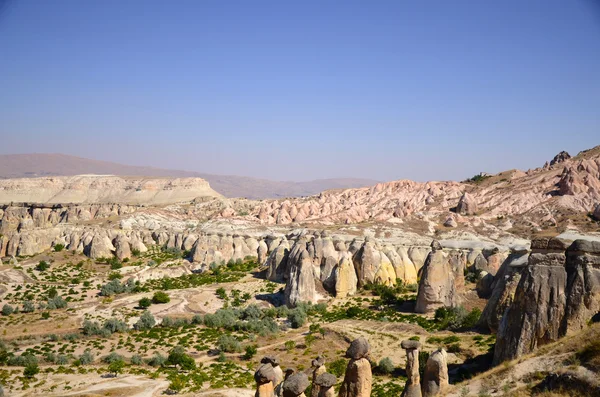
column 139, row 286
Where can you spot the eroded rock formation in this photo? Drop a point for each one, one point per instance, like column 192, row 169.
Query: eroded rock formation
column 435, row 377
column 318, row 365
column 442, row 281
column 358, row 378
column 559, row 292
column 264, row 377
column 412, row 388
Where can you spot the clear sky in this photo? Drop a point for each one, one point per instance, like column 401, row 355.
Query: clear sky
column 297, row 90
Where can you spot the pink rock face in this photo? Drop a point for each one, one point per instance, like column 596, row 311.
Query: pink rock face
column 513, row 194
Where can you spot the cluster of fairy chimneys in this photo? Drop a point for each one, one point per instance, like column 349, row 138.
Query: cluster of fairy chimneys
column 271, row 381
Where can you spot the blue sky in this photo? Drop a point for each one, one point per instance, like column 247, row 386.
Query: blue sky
column 296, row 90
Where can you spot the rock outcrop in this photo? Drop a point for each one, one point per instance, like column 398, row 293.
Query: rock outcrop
column 274, row 361
column 412, row 388
column 467, row 205
column 103, row 189
column 264, row 377
column 325, row 383
column 295, row 385
column 435, row 377
column 596, row 212
column 442, row 280
column 558, row 293
column 358, row 378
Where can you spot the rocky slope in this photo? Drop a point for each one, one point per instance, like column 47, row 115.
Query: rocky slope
column 94, row 189
column 544, row 197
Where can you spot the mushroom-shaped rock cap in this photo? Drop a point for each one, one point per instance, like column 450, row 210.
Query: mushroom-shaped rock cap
column 274, row 361
column 317, row 362
column 264, row 374
column 296, row 384
column 326, row 380
column 359, row 348
column 410, row 344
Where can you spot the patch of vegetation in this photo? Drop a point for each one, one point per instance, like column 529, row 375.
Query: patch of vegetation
column 160, row 297
column 456, row 318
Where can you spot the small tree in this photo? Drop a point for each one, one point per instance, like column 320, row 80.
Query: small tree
column 145, row 322
column 42, row 266
column 7, row 310
column 251, row 351
column 297, row 318
column 386, row 366
column 116, row 367
column 144, row 303
column 160, row 297
column 59, row 247
column 229, row 344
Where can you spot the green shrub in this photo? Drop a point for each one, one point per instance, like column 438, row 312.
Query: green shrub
column 112, row 357
column 178, row 357
column 56, row 303
column 221, row 293
column 338, row 367
column 157, row 360
column 31, row 370
column 251, row 351
column 297, row 317
column 115, row 325
column 42, row 266
column 456, row 318
column 7, row 310
column 229, row 344
column 160, row 297
column 86, row 358
column 28, row 307
column 145, row 322
column 59, row 247
column 136, row 359
column 145, row 303
column 386, row 366
column 116, row 367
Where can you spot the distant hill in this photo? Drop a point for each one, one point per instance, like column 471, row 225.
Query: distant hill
column 42, row 164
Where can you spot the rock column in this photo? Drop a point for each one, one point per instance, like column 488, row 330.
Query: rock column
column 274, row 361
column 264, row 378
column 435, row 378
column 325, row 383
column 318, row 365
column 413, row 383
column 358, row 378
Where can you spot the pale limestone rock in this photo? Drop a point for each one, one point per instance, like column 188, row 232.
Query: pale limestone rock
column 345, row 276
column 435, row 377
column 442, row 281
column 412, row 388
column 122, row 249
column 358, row 378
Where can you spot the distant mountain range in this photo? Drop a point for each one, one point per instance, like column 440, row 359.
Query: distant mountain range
column 42, row 164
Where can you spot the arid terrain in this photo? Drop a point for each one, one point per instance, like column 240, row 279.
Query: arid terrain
column 150, row 284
